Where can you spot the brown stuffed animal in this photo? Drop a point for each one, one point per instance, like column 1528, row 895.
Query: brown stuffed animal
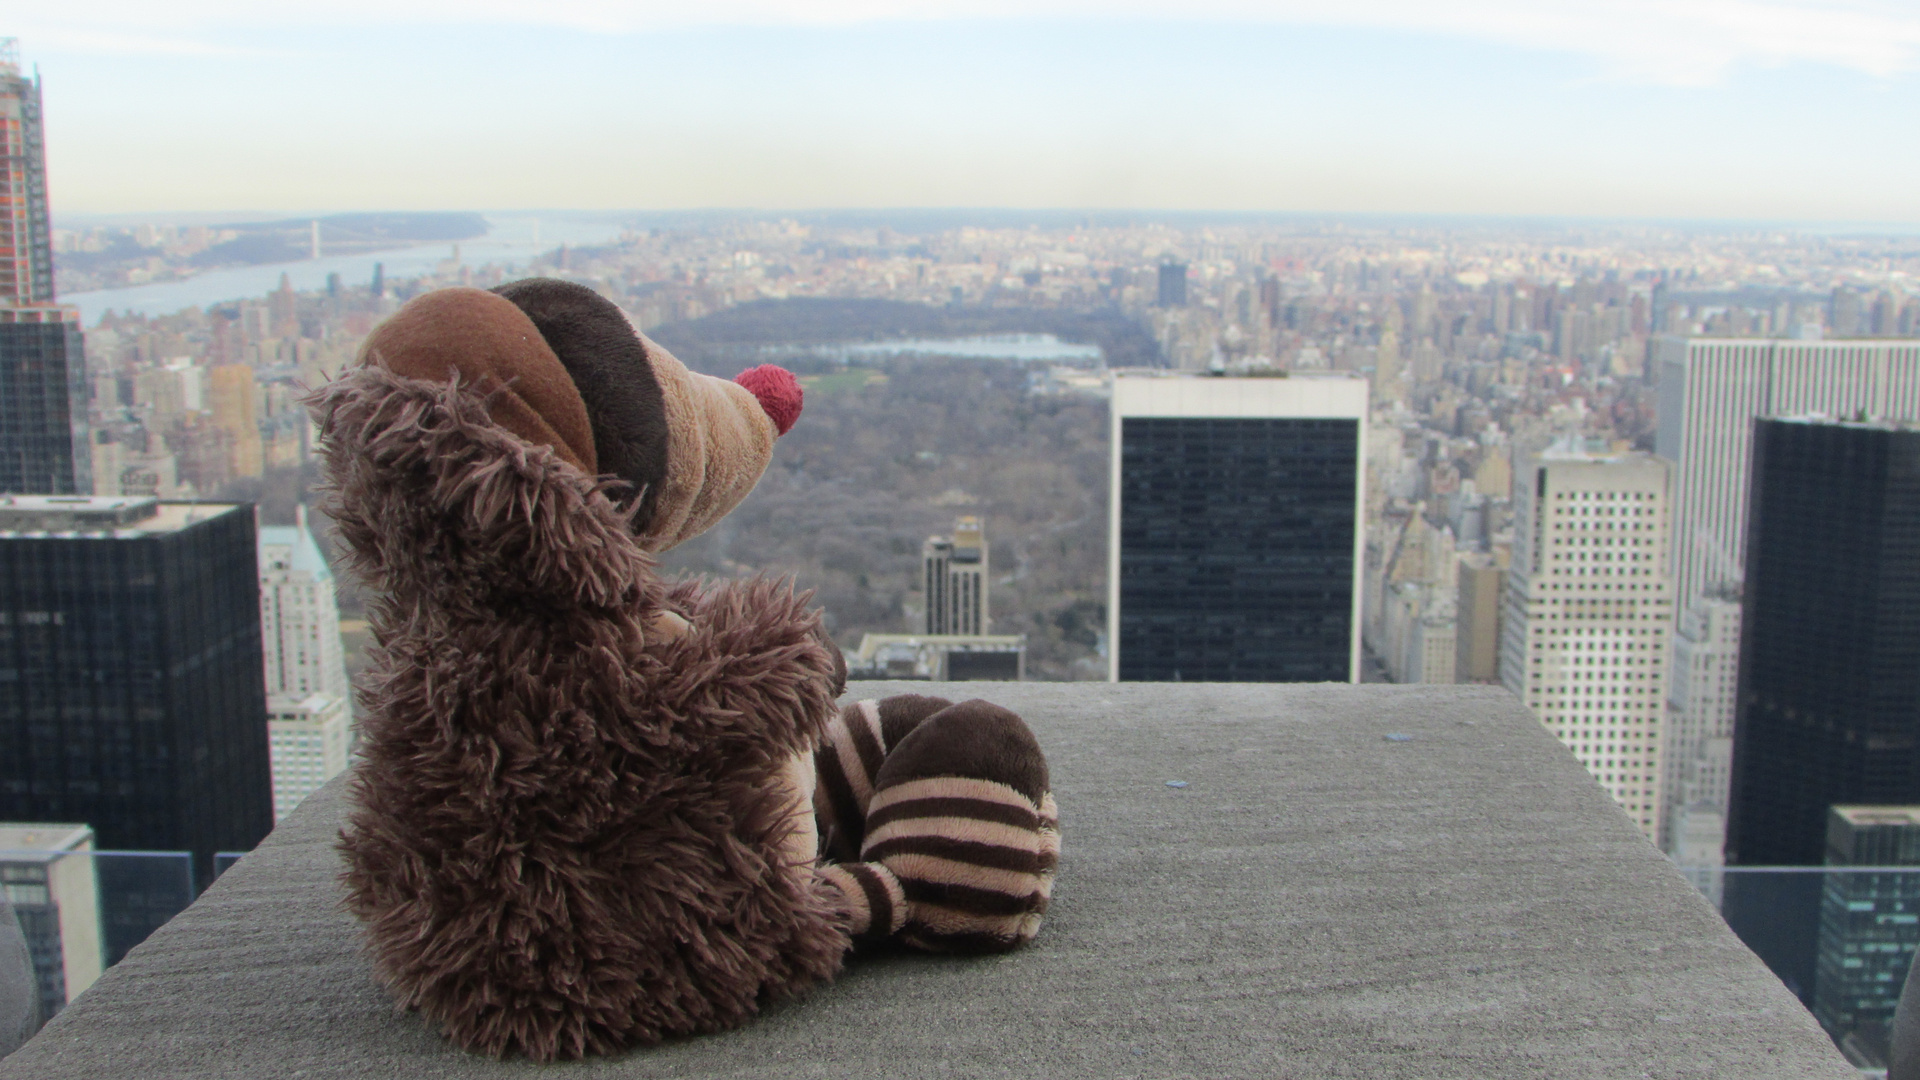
column 587, row 813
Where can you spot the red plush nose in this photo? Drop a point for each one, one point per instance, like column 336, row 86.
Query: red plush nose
column 778, row 391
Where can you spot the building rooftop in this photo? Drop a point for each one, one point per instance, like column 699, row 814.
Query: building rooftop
column 1864, row 422
column 106, row 517
column 21, row 840
column 1878, row 815
column 1257, row 880
column 302, row 551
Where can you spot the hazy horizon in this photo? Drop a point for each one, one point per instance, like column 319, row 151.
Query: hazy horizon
column 1724, row 110
column 941, row 217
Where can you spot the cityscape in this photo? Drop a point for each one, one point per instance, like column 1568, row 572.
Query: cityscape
column 1655, row 480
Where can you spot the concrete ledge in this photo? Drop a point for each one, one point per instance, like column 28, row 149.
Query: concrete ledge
column 1318, row 901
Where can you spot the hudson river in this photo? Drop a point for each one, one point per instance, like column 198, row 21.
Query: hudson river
column 510, row 241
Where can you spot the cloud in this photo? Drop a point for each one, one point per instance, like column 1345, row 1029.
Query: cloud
column 1674, row 42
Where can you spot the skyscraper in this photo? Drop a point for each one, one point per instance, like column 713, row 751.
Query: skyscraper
column 309, row 718
column 1828, row 706
column 44, row 443
column 308, row 740
column 1172, row 285
column 1711, row 392
column 299, row 614
column 1584, row 642
column 135, row 701
column 1700, row 689
column 47, row 873
column 1477, row 640
column 956, row 580
column 1827, row 709
column 1234, row 531
column 1869, row 925
column 231, row 393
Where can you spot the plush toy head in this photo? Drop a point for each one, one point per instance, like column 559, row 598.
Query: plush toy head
column 564, row 369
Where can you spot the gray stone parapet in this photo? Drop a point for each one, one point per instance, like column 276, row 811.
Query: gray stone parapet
column 1355, row 881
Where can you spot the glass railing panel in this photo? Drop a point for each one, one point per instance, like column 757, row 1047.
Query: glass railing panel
column 1840, row 938
column 224, row 860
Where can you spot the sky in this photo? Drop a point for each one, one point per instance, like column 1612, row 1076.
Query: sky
column 1756, row 110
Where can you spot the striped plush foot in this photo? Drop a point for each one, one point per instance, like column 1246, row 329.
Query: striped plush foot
column 962, row 815
column 858, row 741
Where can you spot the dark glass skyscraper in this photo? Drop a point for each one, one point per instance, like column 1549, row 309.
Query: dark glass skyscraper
column 1828, row 706
column 132, row 693
column 1235, row 537
column 43, row 380
column 1172, row 285
column 43, row 402
column 1869, row 923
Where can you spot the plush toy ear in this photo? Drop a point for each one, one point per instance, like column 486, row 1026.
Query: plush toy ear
column 614, row 375
column 692, row 446
column 492, row 346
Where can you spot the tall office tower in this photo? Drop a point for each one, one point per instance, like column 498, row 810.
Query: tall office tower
column 955, row 568
column 44, row 442
column 1711, row 392
column 308, row 740
column 1477, row 640
column 47, row 874
column 1584, row 642
column 299, row 614
column 1700, row 688
column 1828, row 702
column 231, row 392
column 1827, row 705
column 308, row 716
column 26, row 232
column 1173, row 285
column 1234, row 539
column 130, row 643
column 1869, row 925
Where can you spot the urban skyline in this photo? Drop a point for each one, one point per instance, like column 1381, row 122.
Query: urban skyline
column 1442, row 412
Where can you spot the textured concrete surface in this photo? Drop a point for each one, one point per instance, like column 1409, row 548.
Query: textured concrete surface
column 1324, row 898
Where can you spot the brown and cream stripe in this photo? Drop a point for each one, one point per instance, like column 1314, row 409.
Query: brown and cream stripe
column 873, row 899
column 858, row 741
column 974, row 858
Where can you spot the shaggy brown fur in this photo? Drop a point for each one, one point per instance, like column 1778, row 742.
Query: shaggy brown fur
column 568, row 828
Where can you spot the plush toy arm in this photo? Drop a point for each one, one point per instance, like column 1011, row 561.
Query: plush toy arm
column 752, row 651
column 869, row 895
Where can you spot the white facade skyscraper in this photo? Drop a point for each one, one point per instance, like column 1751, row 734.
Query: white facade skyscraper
column 308, row 740
column 47, row 876
column 299, row 617
column 1711, row 392
column 309, row 718
column 1584, row 643
column 1705, row 674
